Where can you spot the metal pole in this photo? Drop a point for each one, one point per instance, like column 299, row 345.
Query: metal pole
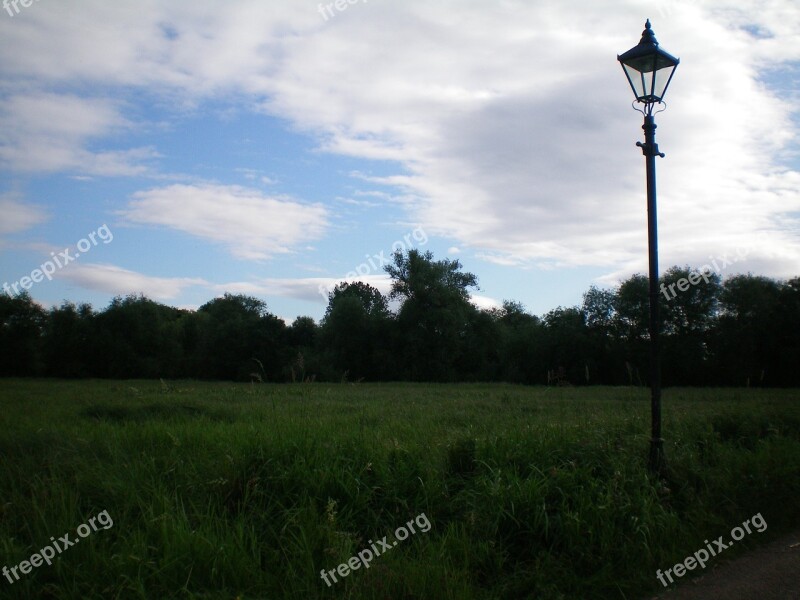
column 650, row 151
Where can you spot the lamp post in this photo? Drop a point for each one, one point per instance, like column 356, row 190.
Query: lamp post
column 649, row 70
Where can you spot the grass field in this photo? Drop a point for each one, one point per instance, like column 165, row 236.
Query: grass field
column 242, row 491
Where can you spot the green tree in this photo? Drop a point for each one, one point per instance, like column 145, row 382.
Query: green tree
column 480, row 350
column 238, row 336
column 303, row 333
column 369, row 297
column 67, row 341
column 435, row 313
column 521, row 343
column 133, row 338
column 566, row 343
column 353, row 331
column 632, row 325
column 749, row 325
column 605, row 354
column 688, row 315
column 22, row 322
column 787, row 336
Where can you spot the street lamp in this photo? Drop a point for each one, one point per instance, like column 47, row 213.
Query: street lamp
column 649, row 70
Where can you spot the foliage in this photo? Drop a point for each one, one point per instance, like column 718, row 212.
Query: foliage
column 744, row 331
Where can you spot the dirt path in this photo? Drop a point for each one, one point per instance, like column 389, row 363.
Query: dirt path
column 768, row 573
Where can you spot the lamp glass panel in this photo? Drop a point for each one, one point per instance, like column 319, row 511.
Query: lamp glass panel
column 662, row 80
column 648, row 78
column 635, row 78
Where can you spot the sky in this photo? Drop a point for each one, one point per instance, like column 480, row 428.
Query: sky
column 183, row 149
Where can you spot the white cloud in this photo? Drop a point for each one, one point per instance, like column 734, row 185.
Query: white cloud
column 354, row 202
column 313, row 289
column 18, row 216
column 251, row 225
column 515, row 129
column 510, row 121
column 256, row 175
column 42, row 131
column 118, row 281
column 484, row 302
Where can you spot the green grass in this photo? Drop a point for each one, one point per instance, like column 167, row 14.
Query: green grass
column 240, row 491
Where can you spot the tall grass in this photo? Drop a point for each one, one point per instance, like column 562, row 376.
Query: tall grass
column 248, row 491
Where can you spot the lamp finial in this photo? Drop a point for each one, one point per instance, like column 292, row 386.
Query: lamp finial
column 648, row 35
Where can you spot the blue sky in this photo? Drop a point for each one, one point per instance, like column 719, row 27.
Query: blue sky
column 273, row 148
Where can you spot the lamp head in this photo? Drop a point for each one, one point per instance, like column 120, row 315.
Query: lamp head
column 649, row 69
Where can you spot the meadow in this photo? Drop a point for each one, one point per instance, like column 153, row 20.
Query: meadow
column 221, row 490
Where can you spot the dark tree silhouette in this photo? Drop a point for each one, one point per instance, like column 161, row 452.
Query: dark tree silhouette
column 354, row 331
column 434, row 315
column 743, row 331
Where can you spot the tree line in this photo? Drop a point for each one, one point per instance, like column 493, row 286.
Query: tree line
column 742, row 331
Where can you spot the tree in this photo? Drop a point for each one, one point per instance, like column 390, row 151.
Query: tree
column 689, row 302
column 134, row 338
column 745, row 342
column 67, row 341
column 787, row 337
column 22, row 323
column 605, row 353
column 354, row 331
column 521, row 344
column 633, row 309
column 479, row 356
column 238, row 336
column 434, row 315
column 745, row 331
column 416, row 277
column 693, row 309
column 370, row 298
column 303, row 333
column 566, row 343
column 632, row 324
column 599, row 310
